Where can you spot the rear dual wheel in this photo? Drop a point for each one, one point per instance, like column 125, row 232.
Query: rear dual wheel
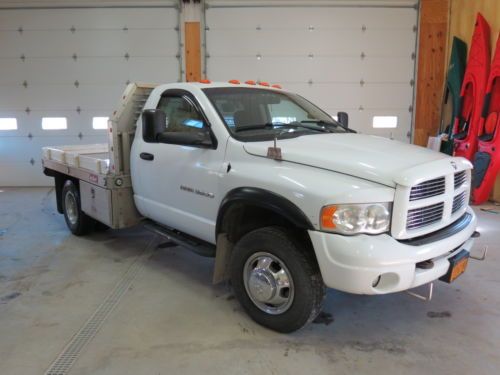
column 78, row 222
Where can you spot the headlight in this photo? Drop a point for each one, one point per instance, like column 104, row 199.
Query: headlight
column 372, row 218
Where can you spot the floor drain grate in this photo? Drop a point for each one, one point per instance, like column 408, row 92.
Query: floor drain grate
column 71, row 352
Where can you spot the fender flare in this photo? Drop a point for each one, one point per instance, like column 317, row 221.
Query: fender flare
column 264, row 199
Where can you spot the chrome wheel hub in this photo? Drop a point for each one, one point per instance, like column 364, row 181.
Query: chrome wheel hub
column 71, row 207
column 268, row 283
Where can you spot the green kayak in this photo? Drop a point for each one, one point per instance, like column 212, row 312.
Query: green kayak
column 451, row 97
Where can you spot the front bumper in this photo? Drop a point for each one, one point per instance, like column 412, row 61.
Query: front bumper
column 354, row 263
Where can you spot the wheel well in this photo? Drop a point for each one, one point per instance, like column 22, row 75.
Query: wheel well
column 241, row 218
column 59, row 180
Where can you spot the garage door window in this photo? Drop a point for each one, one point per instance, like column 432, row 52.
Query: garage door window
column 54, row 123
column 8, row 123
column 100, row 122
column 382, row 122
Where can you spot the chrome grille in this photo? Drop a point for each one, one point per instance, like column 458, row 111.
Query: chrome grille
column 428, row 189
column 458, row 202
column 423, row 216
column 460, row 178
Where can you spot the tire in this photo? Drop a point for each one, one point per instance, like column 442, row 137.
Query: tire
column 77, row 221
column 256, row 259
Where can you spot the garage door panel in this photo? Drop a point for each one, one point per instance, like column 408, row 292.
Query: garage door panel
column 154, row 70
column 77, row 123
column 337, row 42
column 318, row 17
column 67, row 71
column 23, row 174
column 60, row 97
column 88, row 43
column 317, row 69
column 350, row 96
column 32, row 148
column 362, row 121
column 101, row 18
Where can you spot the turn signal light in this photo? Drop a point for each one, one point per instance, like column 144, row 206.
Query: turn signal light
column 327, row 217
column 234, row 81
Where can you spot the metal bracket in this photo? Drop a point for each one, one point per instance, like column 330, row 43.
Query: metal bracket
column 426, row 298
column 482, row 256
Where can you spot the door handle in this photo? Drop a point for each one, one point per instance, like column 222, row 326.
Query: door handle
column 147, row 156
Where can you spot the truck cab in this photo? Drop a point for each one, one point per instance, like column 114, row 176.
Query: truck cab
column 289, row 200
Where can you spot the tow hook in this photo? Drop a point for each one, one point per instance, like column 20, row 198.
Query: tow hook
column 482, row 256
column 426, row 297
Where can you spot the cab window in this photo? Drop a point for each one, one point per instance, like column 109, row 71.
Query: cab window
column 181, row 114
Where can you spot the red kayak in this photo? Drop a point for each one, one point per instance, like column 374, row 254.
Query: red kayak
column 466, row 125
column 487, row 159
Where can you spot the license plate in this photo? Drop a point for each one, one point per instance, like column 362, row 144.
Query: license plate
column 458, row 265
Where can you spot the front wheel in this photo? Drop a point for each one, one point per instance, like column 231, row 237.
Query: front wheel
column 77, row 221
column 276, row 279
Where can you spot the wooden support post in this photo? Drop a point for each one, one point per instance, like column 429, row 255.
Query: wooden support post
column 431, row 68
column 193, row 51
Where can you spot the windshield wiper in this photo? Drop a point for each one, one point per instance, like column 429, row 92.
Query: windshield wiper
column 329, row 123
column 253, row 127
column 279, row 125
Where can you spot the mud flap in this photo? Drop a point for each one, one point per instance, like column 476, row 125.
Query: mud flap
column 481, row 163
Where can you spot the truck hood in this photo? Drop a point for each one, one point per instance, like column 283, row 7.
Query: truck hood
column 372, row 158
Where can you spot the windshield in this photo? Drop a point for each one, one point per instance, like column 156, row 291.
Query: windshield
column 253, row 114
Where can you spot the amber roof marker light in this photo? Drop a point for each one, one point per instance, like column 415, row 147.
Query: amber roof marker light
column 234, row 81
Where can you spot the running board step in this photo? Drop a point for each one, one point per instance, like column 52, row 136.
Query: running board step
column 191, row 243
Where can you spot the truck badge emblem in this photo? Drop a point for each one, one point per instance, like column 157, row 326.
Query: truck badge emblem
column 454, row 165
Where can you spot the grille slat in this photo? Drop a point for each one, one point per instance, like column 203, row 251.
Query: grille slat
column 423, row 216
column 458, row 202
column 427, row 217
column 437, row 216
column 427, row 189
column 459, row 179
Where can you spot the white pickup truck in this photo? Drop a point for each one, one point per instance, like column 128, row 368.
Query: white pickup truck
column 285, row 198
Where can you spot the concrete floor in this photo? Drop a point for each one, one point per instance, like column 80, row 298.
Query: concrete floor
column 171, row 320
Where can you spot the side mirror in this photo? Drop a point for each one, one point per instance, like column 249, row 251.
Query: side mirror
column 153, row 123
column 185, row 138
column 343, row 118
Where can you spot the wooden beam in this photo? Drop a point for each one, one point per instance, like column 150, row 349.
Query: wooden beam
column 193, row 51
column 431, row 68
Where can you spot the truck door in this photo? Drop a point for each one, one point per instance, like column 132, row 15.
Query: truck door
column 176, row 184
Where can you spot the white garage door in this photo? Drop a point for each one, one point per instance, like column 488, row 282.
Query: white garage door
column 73, row 64
column 358, row 59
